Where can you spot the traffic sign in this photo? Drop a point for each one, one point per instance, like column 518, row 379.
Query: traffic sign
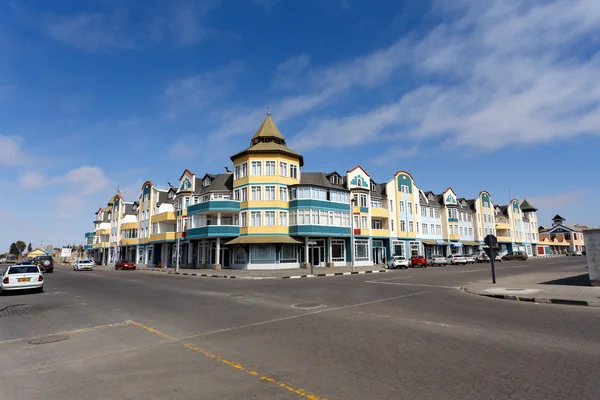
column 492, row 250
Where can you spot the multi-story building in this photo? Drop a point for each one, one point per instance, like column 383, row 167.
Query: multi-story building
column 265, row 213
column 560, row 238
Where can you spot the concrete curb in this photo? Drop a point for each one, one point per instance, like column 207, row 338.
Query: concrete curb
column 266, row 277
column 530, row 299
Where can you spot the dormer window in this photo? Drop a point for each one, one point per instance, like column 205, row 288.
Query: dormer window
column 206, row 182
column 372, row 186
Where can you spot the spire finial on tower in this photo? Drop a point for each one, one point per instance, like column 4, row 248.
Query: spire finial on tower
column 268, row 110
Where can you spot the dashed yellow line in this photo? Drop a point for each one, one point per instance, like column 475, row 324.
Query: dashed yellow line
column 239, row 367
column 152, row 330
column 233, row 364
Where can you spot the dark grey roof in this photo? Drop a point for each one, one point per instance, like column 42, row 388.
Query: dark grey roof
column 218, row 183
column 320, row 179
column 162, row 197
column 435, row 202
column 460, row 205
column 380, row 190
column 128, row 208
column 471, row 204
column 503, row 210
column 525, row 218
column 422, row 198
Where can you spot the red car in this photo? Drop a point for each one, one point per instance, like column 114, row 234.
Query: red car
column 418, row 261
column 125, row 264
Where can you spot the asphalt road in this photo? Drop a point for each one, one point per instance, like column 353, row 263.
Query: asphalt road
column 407, row 334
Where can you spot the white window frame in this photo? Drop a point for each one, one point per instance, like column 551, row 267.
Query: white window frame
column 283, row 218
column 270, row 192
column 283, row 168
column 294, row 171
column 255, row 218
column 255, row 168
column 283, row 193
column 270, row 218
column 270, row 168
column 256, row 193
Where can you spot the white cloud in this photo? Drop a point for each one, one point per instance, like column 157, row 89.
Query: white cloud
column 506, row 73
column 31, row 180
column 11, row 151
column 290, row 71
column 184, row 21
column 560, row 200
column 90, row 32
column 86, row 179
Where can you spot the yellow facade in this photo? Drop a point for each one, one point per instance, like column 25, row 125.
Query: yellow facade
column 162, row 236
column 165, row 216
column 129, row 242
column 380, row 213
column 101, row 245
column 130, row 225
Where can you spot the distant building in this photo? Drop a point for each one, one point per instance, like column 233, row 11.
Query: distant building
column 561, row 238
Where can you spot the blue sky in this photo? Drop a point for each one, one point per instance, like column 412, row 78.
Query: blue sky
column 95, row 95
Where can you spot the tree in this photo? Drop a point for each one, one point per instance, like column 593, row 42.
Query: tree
column 29, row 248
column 13, row 249
column 20, row 246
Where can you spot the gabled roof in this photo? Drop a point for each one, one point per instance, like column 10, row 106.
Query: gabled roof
column 460, row 201
column 128, row 208
column 526, row 206
column 558, row 217
column 433, row 199
column 358, row 166
column 269, row 147
column 503, row 210
column 380, row 190
column 188, row 171
column 218, row 183
column 471, row 204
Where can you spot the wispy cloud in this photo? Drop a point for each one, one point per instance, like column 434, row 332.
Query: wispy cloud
column 184, row 21
column 11, row 151
column 198, row 91
column 290, row 71
column 505, row 74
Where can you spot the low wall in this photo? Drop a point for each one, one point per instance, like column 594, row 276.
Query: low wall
column 592, row 248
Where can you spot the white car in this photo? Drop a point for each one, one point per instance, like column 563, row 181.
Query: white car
column 21, row 277
column 83, row 264
column 456, row 259
column 437, row 260
column 469, row 259
column 398, row 262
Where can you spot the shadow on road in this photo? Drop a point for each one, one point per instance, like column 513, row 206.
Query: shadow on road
column 577, row 280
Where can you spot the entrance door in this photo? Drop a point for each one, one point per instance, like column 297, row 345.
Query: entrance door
column 225, row 258
column 315, row 256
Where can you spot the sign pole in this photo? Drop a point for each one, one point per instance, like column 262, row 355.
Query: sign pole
column 492, row 242
column 492, row 264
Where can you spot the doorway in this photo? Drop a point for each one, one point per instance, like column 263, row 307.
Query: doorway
column 315, row 255
column 225, row 257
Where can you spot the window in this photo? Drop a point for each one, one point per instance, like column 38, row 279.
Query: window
column 411, row 226
column 417, row 227
column 283, row 193
column 262, row 253
column 206, row 182
column 339, row 197
column 376, row 224
column 437, row 213
column 391, row 205
column 461, row 231
column 293, row 171
column 401, row 206
column 293, row 194
column 244, row 194
column 269, row 192
column 363, row 200
column 288, row 254
column 154, row 228
column 236, row 194
column 187, row 202
column 432, row 226
column 470, row 217
column 361, row 250
column 438, row 229
column 364, row 222
column 244, row 172
column 283, row 218
column 270, row 168
column 402, row 226
column 255, row 218
column 404, row 189
column 196, row 199
column 355, row 222
column 470, row 231
column 376, row 203
column 392, row 225
column 255, row 167
column 269, row 218
column 236, row 172
column 338, row 250
column 409, row 207
column 425, row 229
column 283, row 168
column 430, row 212
column 255, row 193
column 424, row 211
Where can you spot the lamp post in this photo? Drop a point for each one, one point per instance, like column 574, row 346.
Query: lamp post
column 352, row 205
column 176, row 205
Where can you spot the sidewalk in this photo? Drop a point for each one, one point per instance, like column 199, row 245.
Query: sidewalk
column 551, row 288
column 269, row 274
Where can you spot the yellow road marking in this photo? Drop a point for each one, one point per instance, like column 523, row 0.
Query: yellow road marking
column 239, row 367
column 83, row 330
column 152, row 330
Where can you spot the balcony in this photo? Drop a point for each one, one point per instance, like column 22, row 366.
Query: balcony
column 502, row 226
column 380, row 233
column 319, row 230
column 162, row 237
column 88, row 247
column 214, row 205
column 322, row 204
column 90, row 234
column 129, row 242
column 130, row 225
column 103, row 231
column 504, row 239
column 165, row 216
column 213, row 231
column 380, row 213
column 101, row 245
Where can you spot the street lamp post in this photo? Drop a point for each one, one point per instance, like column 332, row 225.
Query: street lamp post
column 352, row 204
column 177, row 235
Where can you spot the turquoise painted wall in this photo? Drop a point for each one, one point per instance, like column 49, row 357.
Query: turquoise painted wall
column 318, row 204
column 212, row 231
column 214, row 205
column 319, row 230
column 404, row 179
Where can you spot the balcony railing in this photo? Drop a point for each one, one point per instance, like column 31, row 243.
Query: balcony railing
column 214, row 205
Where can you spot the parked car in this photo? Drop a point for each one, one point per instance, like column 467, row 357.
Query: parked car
column 83, row 264
column 469, row 259
column 498, row 258
column 418, row 261
column 515, row 255
column 27, row 261
column 21, row 277
column 455, row 259
column 46, row 263
column 125, row 264
column 397, row 262
column 11, row 259
column 481, row 258
column 437, row 260
column 577, row 253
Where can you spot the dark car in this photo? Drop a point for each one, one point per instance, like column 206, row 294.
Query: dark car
column 46, row 263
column 418, row 261
column 515, row 255
column 27, row 261
column 125, row 264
